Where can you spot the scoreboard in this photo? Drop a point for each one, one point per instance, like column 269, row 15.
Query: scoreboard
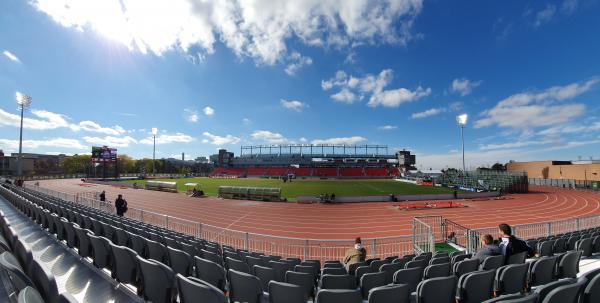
column 104, row 154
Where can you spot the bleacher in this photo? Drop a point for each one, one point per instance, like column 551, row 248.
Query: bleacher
column 59, row 251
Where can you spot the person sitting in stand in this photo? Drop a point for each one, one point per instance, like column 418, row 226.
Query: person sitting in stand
column 488, row 248
column 356, row 254
column 511, row 245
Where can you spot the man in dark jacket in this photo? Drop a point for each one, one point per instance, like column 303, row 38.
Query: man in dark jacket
column 120, row 205
column 488, row 248
column 511, row 245
column 103, row 196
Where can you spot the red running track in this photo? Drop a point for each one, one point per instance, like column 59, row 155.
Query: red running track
column 346, row 221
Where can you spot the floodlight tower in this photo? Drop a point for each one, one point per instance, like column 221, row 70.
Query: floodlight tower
column 24, row 101
column 154, row 133
column 462, row 121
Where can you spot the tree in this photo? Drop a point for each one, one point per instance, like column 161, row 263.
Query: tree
column 77, row 164
column 498, row 166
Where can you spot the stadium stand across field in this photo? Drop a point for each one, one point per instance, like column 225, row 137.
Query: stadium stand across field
column 160, row 265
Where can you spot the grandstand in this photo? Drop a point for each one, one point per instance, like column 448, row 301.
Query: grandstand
column 54, row 249
column 486, row 180
column 321, row 161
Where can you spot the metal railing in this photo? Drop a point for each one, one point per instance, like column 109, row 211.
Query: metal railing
column 567, row 183
column 267, row 244
column 423, row 235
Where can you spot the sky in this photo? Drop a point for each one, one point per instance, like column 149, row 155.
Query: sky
column 226, row 73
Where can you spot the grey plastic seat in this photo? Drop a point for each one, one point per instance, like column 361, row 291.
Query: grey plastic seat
column 352, row 267
column 191, row 289
column 280, row 292
column 437, row 271
column 558, row 247
column 108, row 231
column 180, row 261
column 305, row 280
column 17, row 275
column 157, row 281
column 542, row 271
column 70, row 235
column 376, row 264
column 568, row 266
column 417, row 263
column 265, row 274
column 389, row 293
column 189, row 249
column 389, row 270
column 492, row 262
column 515, row 298
column 547, row 248
column 334, row 271
column 517, row 258
column 571, row 241
column 545, row 289
column 210, row 272
column 280, row 269
column 457, row 258
column 121, row 237
column 244, row 287
column 591, row 293
column 237, row 265
column 565, row 293
column 333, row 264
column 338, row 282
column 101, row 251
column 339, row 296
column 29, row 295
column 24, row 255
column 360, row 271
column 44, row 283
column 585, row 246
column 211, row 256
column 439, row 260
column 511, row 279
column 66, row 298
column 409, row 276
column 124, row 264
column 372, row 280
column 438, row 290
column 138, row 244
column 465, row 266
column 157, row 251
column 475, row 286
column 97, row 227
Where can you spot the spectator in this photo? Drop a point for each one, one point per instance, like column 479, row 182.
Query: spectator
column 103, row 196
column 121, row 206
column 332, row 197
column 511, row 245
column 488, row 248
column 355, row 255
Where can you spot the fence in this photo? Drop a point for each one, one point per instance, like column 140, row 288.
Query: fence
column 423, row 235
column 567, row 183
column 267, row 244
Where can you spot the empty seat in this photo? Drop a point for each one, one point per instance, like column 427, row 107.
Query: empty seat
column 334, row 271
column 17, row 275
column 375, row 264
column 558, row 246
column 545, row 289
column 438, row 290
column 44, row 283
column 157, row 281
column 465, row 266
column 475, row 286
column 244, row 287
column 547, row 248
column 180, row 261
column 417, row 263
column 457, row 258
column 409, row 276
column 101, row 251
column 542, row 271
column 190, row 290
column 565, row 293
column 237, row 265
column 338, row 282
column 339, row 296
column 389, row 293
column 389, row 270
column 568, row 267
column 591, row 293
column 29, row 295
column 439, row 260
column 211, row 256
column 437, row 271
column 333, row 264
column 492, row 262
column 360, row 271
column 280, row 292
column 157, row 251
column 305, row 280
column 210, row 272
column 517, row 258
column 372, row 280
column 121, row 237
column 515, row 298
column 138, row 244
column 124, row 267
column 251, row 261
column 511, row 279
column 265, row 274
column 352, row 267
column 280, row 269
column 70, row 235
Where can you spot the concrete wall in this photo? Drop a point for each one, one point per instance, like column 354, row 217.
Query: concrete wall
column 545, row 170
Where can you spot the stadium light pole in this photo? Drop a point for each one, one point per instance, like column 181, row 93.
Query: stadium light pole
column 24, row 101
column 462, row 121
column 154, row 132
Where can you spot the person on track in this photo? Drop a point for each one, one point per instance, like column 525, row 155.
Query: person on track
column 356, row 254
column 488, row 248
column 121, row 206
column 511, row 245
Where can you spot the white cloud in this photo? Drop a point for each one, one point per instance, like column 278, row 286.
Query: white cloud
column 516, row 144
column 191, row 115
column 464, row 86
column 537, row 109
column 428, row 113
column 168, row 139
column 48, row 120
column 344, row 140
column 545, row 15
column 11, row 56
column 246, row 121
column 256, row 29
column 388, row 127
column 209, row 111
column 269, row 137
column 218, row 140
column 303, row 140
column 296, row 62
column 570, row 129
column 293, row 105
column 48, row 143
column 94, row 127
column 353, row 89
column 110, row 141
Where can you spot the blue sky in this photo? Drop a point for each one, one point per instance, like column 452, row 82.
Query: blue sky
column 211, row 74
